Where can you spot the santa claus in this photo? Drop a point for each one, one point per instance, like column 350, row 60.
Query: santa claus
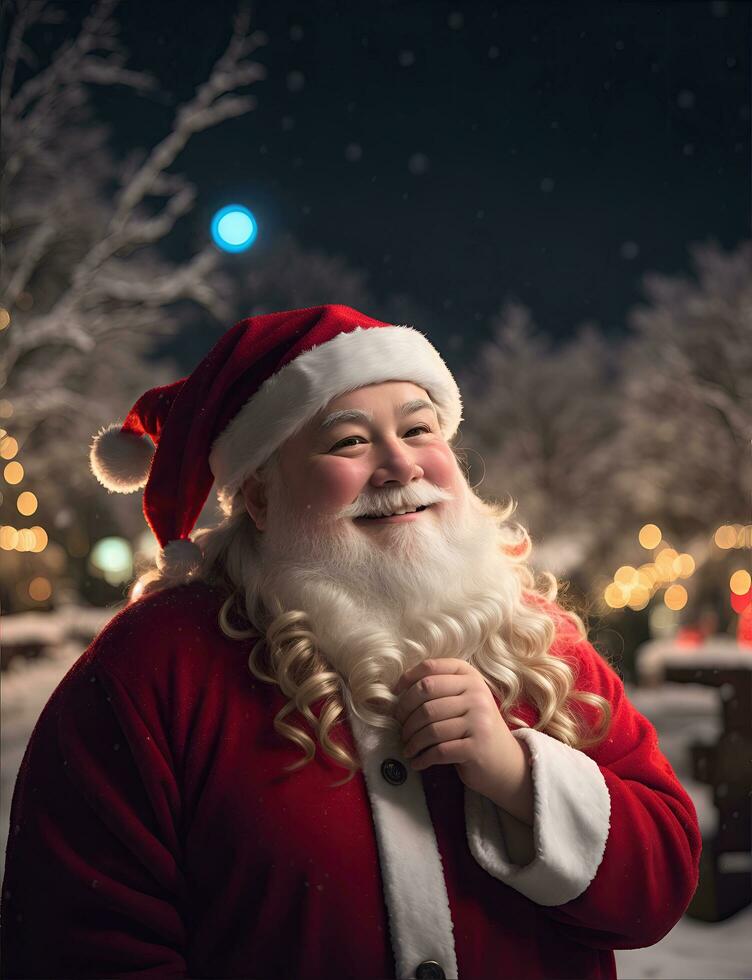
column 360, row 611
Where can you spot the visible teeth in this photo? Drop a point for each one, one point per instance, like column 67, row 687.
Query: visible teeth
column 397, row 513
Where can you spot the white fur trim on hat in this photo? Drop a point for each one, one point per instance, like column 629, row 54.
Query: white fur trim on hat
column 300, row 389
column 121, row 460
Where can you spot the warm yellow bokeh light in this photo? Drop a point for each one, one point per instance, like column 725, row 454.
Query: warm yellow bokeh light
column 650, row 536
column 6, row 409
column 13, row 473
column 40, row 538
column 4, row 318
column 725, row 536
column 647, row 575
column 675, row 597
column 27, row 503
column 626, row 575
column 744, row 537
column 666, row 555
column 8, row 447
column 684, row 565
column 615, row 596
column 639, row 597
column 740, row 582
column 26, row 540
column 40, row 589
column 664, row 564
column 8, row 538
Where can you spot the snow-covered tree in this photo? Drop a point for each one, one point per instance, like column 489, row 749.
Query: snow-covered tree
column 85, row 291
column 595, row 440
column 684, row 450
column 88, row 298
column 541, row 415
column 86, row 287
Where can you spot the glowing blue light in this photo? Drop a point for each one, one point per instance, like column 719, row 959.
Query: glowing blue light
column 234, row 228
column 112, row 559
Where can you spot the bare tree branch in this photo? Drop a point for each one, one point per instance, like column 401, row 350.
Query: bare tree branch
column 88, row 290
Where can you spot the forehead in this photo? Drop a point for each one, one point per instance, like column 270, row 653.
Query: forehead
column 390, row 397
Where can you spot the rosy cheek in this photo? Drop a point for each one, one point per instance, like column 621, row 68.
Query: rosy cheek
column 440, row 459
column 336, row 480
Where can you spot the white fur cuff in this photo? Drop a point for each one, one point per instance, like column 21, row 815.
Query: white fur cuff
column 571, row 822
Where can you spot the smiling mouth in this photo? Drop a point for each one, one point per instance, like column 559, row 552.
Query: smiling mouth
column 381, row 517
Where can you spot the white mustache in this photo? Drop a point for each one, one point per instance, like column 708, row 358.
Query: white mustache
column 404, row 498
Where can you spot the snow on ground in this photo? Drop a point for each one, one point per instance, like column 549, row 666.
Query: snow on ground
column 694, row 951
column 680, row 712
column 683, row 713
column 24, row 690
column 726, row 654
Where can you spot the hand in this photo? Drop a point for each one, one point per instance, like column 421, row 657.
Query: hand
column 449, row 715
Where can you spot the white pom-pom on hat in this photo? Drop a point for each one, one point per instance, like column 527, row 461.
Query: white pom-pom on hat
column 120, row 459
column 179, row 557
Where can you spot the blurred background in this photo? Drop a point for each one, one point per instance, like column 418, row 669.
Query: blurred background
column 557, row 195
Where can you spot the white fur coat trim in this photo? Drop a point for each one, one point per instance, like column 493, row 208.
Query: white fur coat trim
column 415, row 892
column 300, row 389
column 572, row 813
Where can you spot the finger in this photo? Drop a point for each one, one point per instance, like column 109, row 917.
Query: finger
column 456, row 752
column 438, row 709
column 446, row 665
column 436, row 733
column 426, row 689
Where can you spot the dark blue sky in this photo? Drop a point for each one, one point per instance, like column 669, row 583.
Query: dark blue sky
column 466, row 152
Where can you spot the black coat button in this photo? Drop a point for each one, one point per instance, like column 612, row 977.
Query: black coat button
column 393, row 771
column 430, row 970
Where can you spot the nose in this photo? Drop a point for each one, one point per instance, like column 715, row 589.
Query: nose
column 397, row 465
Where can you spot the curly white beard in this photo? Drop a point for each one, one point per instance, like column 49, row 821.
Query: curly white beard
column 370, row 592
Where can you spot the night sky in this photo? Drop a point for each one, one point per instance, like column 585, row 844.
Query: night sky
column 465, row 153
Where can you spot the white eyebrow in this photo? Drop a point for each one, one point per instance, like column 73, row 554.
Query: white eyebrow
column 360, row 415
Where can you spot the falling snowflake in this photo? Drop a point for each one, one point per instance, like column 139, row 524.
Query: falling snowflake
column 418, row 164
column 295, row 81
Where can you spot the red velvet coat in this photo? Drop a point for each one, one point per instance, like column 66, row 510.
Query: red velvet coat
column 154, row 833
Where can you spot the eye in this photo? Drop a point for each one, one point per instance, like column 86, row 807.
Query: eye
column 342, row 443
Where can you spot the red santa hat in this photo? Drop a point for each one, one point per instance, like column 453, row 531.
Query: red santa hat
column 258, row 386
